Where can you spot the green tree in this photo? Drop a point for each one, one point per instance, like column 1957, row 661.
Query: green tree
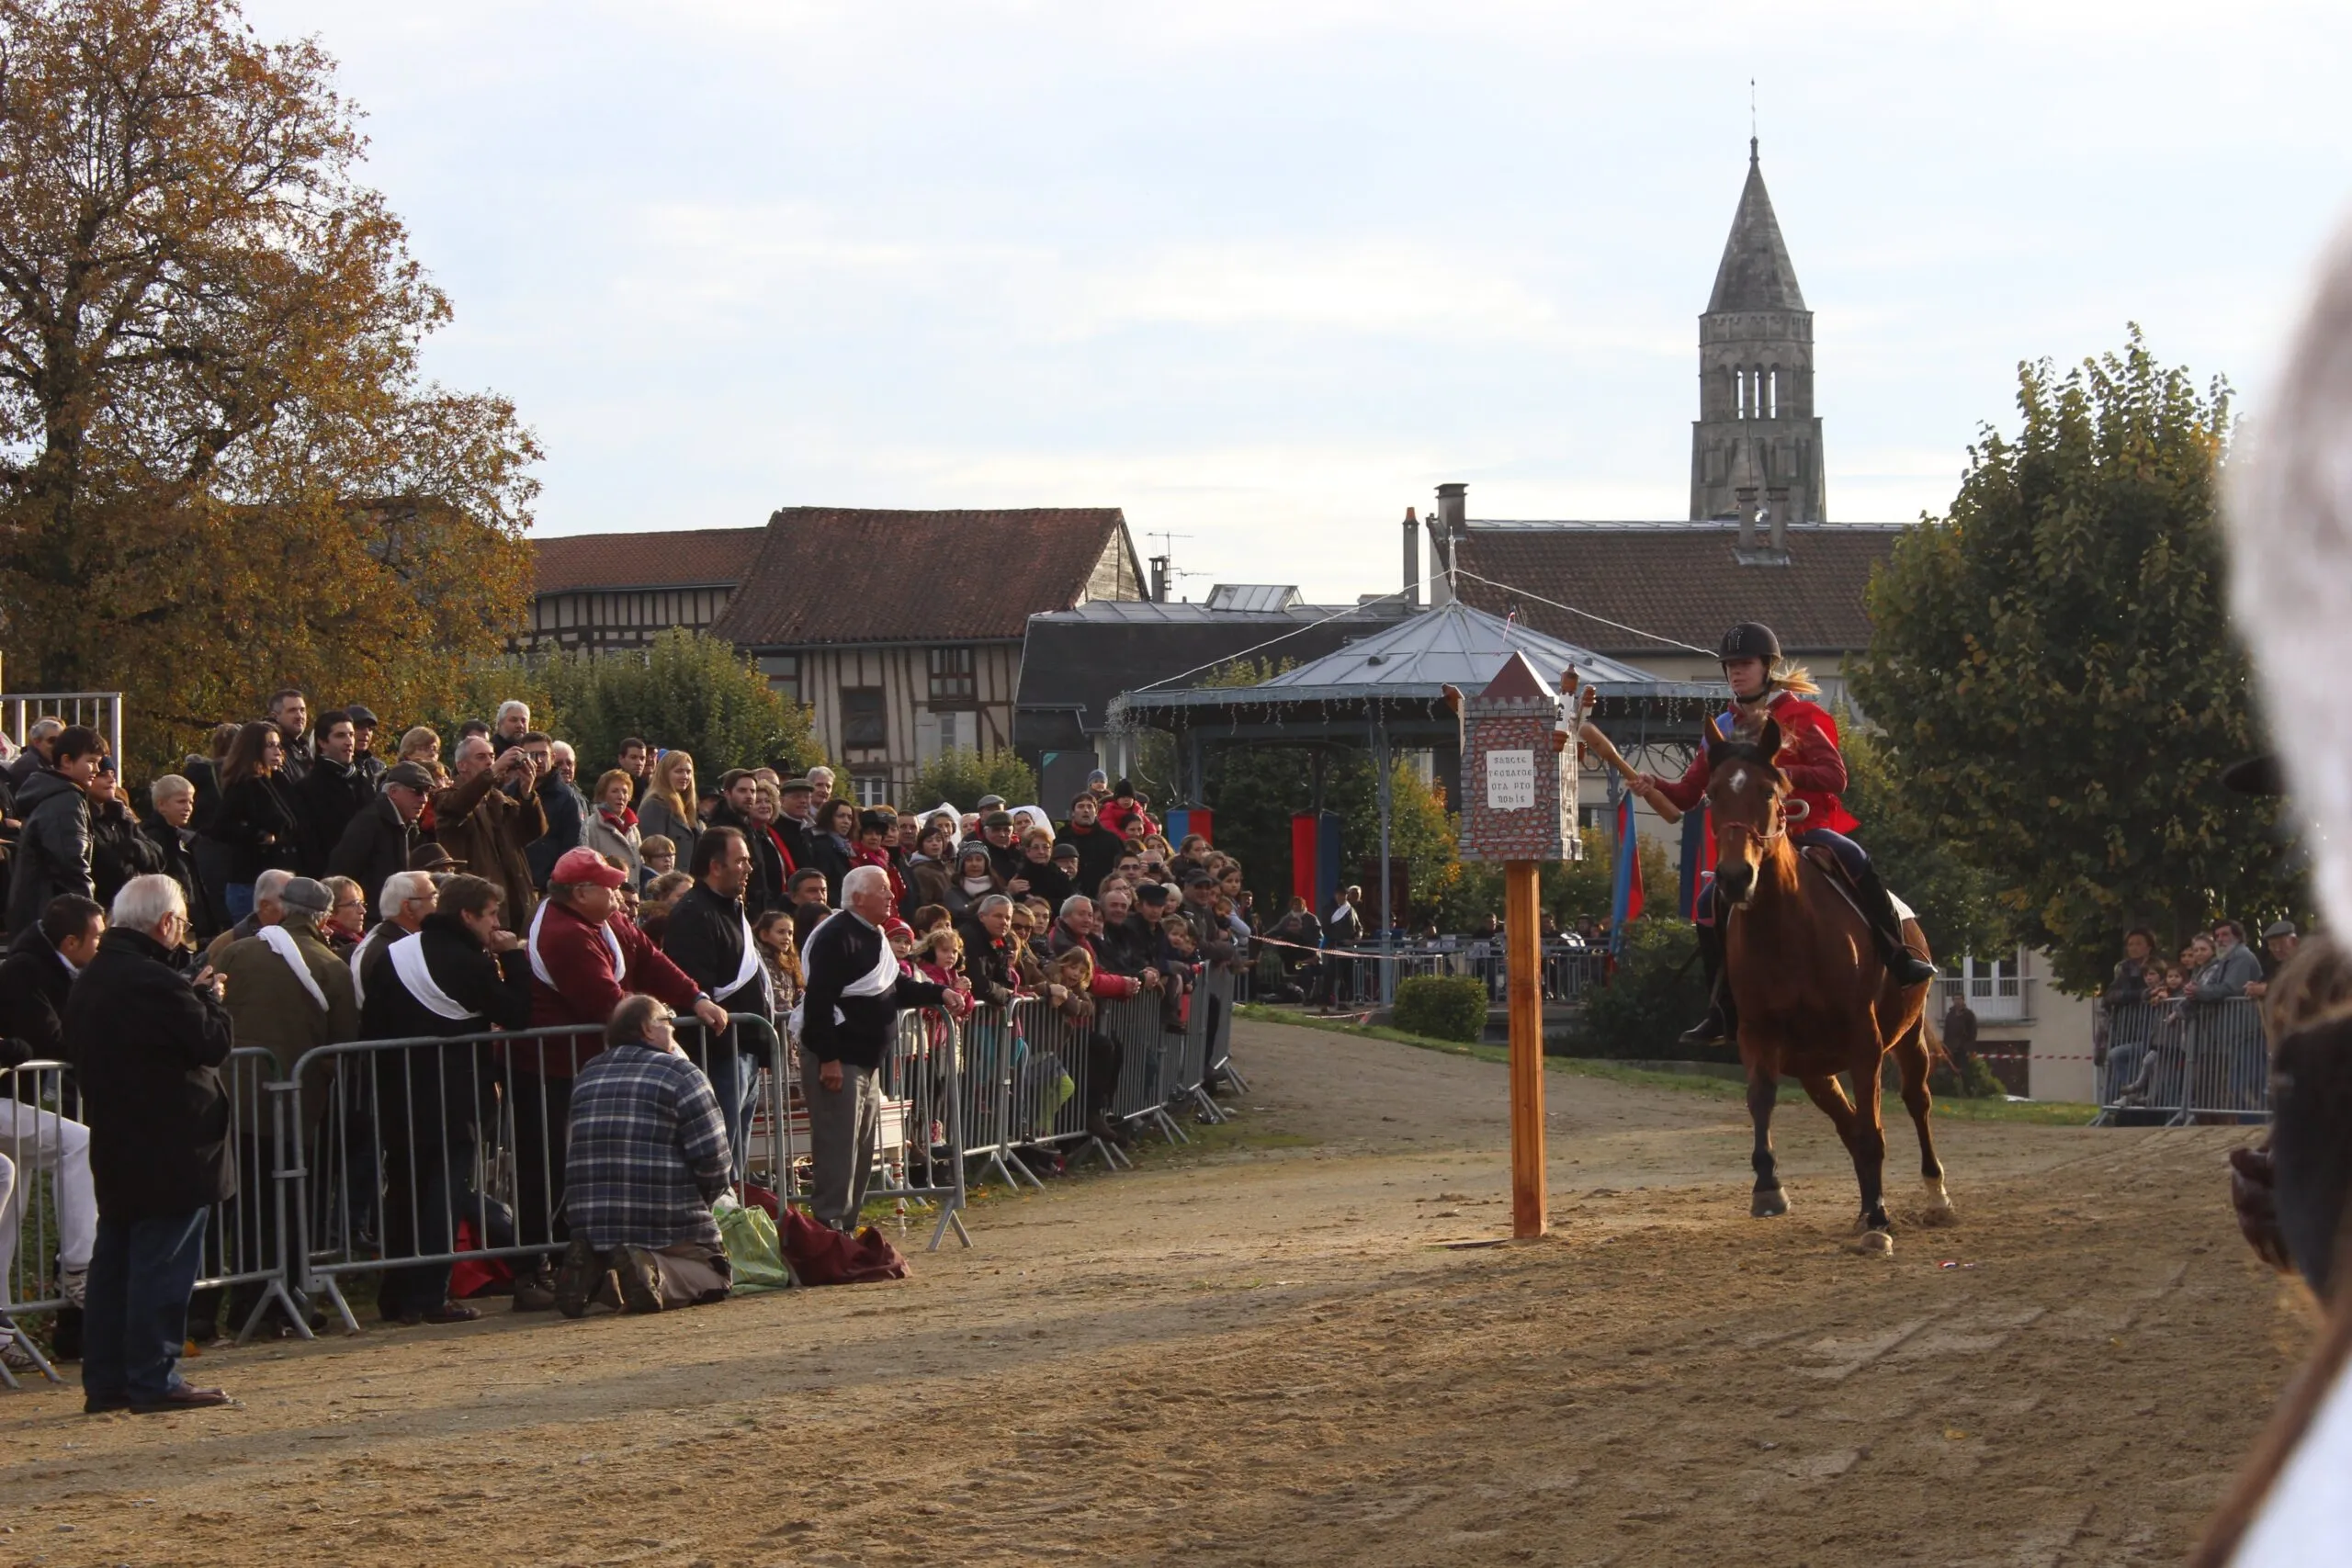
column 2055, row 669
column 961, row 777
column 1958, row 904
column 686, row 692
column 220, row 468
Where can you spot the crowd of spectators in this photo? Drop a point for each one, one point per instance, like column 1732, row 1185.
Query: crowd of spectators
column 293, row 889
column 2154, row 1009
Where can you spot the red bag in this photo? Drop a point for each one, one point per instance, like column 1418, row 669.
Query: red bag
column 820, row 1254
column 475, row 1276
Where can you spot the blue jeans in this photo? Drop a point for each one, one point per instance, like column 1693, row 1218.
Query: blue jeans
column 237, row 898
column 735, row 1079
column 136, row 1316
column 1849, row 853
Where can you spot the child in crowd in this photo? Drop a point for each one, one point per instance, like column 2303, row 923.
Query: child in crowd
column 659, row 855
column 780, row 952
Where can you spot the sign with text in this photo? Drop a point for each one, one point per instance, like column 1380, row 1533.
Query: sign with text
column 1511, row 781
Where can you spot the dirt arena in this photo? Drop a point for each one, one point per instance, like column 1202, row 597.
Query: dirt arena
column 1259, row 1355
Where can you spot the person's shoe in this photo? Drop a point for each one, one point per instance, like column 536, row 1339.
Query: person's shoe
column 453, row 1312
column 1709, row 1030
column 181, row 1398
column 74, row 1284
column 105, row 1405
column 401, row 1319
column 576, row 1276
column 532, row 1295
column 14, row 1356
column 641, row 1279
column 607, row 1293
column 1909, row 969
column 1099, row 1125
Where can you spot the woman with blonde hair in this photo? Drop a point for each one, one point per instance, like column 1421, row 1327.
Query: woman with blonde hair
column 422, row 747
column 611, row 828
column 668, row 808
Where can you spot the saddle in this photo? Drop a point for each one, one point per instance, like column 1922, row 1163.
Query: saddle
column 1829, row 865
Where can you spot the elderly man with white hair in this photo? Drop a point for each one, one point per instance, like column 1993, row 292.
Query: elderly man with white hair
column 488, row 818
column 269, row 909
column 407, row 897
column 513, row 722
column 147, row 1044
column 855, row 988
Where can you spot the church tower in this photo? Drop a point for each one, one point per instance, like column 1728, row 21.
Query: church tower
column 1756, row 446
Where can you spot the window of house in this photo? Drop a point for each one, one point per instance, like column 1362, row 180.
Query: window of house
column 872, row 789
column 951, row 675
column 865, row 719
column 783, row 670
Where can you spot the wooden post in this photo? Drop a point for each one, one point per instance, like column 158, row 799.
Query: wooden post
column 1523, row 949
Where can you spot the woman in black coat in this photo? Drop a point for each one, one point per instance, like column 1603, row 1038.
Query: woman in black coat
column 256, row 823
column 831, row 843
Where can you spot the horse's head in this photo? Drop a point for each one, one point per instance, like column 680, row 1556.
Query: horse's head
column 1747, row 792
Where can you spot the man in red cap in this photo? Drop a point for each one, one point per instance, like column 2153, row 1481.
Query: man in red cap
column 585, row 956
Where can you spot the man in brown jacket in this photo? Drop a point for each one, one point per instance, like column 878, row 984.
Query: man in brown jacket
column 487, row 817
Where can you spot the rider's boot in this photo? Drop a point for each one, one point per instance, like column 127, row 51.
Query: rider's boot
column 1908, row 967
column 1722, row 1022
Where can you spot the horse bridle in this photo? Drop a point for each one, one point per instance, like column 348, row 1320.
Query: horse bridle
column 1764, row 838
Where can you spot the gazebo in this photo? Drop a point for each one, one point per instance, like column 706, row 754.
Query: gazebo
column 1385, row 693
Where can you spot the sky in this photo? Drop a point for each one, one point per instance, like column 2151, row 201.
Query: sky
column 1264, row 275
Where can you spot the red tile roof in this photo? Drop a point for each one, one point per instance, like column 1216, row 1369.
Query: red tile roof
column 684, row 558
column 1679, row 580
column 843, row 575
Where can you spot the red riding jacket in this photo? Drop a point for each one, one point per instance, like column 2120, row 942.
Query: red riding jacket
column 1809, row 756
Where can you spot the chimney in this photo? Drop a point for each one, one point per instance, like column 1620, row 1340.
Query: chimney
column 1160, row 580
column 1743, row 489
column 1412, row 561
column 1451, row 505
column 1776, row 502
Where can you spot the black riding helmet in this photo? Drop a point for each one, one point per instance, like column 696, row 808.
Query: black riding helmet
column 1750, row 640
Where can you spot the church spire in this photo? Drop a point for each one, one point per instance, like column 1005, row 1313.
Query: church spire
column 1755, row 274
column 1757, row 429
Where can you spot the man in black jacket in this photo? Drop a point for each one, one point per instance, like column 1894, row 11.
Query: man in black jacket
column 709, row 937
column 332, row 795
column 147, row 1046
column 53, row 847
column 460, row 974
column 1097, row 848
column 290, row 711
column 855, row 988
column 35, row 979
column 120, row 848
column 381, row 838
column 364, row 725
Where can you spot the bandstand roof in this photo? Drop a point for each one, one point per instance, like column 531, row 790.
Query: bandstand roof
column 1397, row 675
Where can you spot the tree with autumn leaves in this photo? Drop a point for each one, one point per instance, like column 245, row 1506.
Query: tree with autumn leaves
column 2057, row 683
column 221, row 470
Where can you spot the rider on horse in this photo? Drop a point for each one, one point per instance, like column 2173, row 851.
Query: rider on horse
column 1763, row 686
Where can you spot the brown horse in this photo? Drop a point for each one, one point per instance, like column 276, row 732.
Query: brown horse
column 1814, row 1000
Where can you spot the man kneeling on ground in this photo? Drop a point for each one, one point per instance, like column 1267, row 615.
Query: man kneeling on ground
column 649, row 1157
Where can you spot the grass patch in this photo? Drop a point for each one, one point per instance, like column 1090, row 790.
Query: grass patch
column 2041, row 1113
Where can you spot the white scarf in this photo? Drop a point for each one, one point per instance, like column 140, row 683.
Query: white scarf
column 281, row 943
column 752, row 969
column 408, row 962
column 878, row 981
column 539, row 970
column 359, row 985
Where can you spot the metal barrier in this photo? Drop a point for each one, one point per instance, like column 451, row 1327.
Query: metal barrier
column 2178, row 1060
column 47, row 1142
column 368, row 1156
column 102, row 711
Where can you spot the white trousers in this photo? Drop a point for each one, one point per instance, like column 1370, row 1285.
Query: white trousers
column 32, row 1139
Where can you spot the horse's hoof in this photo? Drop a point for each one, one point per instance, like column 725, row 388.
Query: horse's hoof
column 1875, row 1243
column 1939, row 1209
column 1766, row 1205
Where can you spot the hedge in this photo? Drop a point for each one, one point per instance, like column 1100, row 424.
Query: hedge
column 1443, row 1007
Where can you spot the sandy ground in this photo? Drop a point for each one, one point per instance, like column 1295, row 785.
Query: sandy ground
column 1259, row 1355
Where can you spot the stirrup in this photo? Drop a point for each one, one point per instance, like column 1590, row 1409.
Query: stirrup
column 1710, row 1030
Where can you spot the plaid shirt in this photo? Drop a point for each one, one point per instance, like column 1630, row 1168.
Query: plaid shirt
column 648, row 1151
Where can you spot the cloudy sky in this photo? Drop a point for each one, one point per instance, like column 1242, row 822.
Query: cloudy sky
column 1265, row 273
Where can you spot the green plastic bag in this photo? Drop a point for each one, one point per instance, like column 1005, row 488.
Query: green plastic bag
column 754, row 1253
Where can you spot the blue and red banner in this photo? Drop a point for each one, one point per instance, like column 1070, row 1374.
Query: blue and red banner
column 1625, row 900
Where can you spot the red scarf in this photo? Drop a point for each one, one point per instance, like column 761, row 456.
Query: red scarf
column 626, row 820
column 863, row 856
